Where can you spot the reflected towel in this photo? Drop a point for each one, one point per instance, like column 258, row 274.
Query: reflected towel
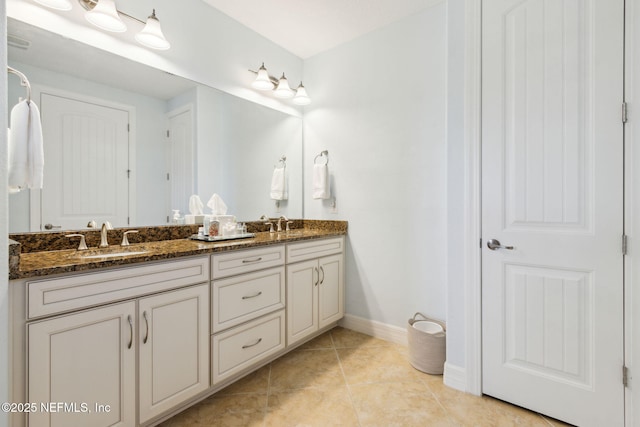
column 26, row 151
column 279, row 184
column 321, row 182
column 217, row 205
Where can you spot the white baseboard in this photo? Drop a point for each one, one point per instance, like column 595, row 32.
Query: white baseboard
column 375, row 329
column 455, row 377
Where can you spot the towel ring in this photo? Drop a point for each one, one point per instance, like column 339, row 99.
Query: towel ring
column 325, row 154
column 23, row 80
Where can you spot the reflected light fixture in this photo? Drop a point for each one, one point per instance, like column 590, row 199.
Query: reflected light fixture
column 56, row 4
column 301, row 97
column 262, row 81
column 283, row 90
column 105, row 15
column 280, row 87
column 151, row 35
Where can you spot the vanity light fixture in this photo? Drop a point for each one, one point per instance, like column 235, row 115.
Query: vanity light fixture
column 151, row 35
column 105, row 15
column 280, row 87
column 56, row 4
column 301, row 97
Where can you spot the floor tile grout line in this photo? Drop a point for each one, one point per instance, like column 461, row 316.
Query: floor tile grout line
column 344, row 378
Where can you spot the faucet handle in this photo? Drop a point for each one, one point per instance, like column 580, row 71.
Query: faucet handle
column 92, row 224
column 288, row 223
column 270, row 224
column 125, row 239
column 83, row 244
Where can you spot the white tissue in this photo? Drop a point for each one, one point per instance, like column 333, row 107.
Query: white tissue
column 195, row 205
column 217, row 205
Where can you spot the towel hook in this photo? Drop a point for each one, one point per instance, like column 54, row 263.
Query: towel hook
column 282, row 161
column 324, row 153
column 23, row 80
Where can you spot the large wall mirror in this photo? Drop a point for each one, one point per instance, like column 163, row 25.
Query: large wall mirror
column 128, row 143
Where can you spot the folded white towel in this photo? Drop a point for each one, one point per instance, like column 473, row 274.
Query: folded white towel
column 279, row 184
column 321, row 182
column 26, row 151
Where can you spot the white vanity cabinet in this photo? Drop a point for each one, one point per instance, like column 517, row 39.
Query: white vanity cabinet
column 247, row 309
column 315, row 286
column 173, row 345
column 88, row 357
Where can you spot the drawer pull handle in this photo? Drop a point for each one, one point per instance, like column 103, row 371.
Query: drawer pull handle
column 252, row 345
column 130, row 331
column 247, row 261
column 146, row 321
column 252, row 296
column 322, row 271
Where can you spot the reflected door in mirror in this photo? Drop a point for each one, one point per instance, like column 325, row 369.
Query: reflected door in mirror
column 86, row 163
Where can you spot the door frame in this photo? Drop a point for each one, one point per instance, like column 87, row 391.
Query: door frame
column 472, row 233
column 35, row 195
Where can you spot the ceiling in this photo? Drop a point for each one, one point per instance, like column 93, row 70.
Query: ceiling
column 308, row 27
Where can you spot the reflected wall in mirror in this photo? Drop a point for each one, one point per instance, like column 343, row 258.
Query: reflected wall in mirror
column 184, row 139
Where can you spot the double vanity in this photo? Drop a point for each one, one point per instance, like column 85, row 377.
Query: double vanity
column 131, row 335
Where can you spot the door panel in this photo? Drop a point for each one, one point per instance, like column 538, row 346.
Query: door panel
column 552, row 188
column 87, row 159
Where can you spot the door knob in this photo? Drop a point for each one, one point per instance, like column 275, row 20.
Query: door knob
column 494, row 244
column 51, row 226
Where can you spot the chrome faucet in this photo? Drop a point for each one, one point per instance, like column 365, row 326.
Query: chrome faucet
column 103, row 236
column 280, row 222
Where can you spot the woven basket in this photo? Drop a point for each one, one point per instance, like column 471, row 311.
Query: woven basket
column 427, row 350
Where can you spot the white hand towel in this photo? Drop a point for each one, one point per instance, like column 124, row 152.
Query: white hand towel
column 321, row 182
column 12, row 190
column 26, row 151
column 279, row 184
column 217, row 205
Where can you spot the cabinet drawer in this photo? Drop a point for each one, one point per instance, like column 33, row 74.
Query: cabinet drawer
column 240, row 298
column 314, row 249
column 240, row 348
column 47, row 297
column 239, row 262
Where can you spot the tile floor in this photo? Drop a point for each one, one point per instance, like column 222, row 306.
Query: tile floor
column 344, row 378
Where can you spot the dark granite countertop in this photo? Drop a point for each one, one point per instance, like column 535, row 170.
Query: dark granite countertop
column 34, row 260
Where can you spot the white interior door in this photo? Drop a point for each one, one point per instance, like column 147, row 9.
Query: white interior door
column 552, row 161
column 87, row 161
column 181, row 155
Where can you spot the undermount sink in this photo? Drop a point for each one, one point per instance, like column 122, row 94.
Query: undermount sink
column 109, row 253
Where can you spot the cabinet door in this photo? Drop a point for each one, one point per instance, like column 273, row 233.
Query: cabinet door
column 302, row 300
column 84, row 366
column 174, row 348
column 331, row 290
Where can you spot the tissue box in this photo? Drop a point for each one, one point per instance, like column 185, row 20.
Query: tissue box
column 193, row 219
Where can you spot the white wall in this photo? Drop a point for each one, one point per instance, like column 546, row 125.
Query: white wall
column 379, row 105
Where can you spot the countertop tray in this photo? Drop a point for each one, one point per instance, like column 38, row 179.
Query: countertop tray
column 221, row 238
